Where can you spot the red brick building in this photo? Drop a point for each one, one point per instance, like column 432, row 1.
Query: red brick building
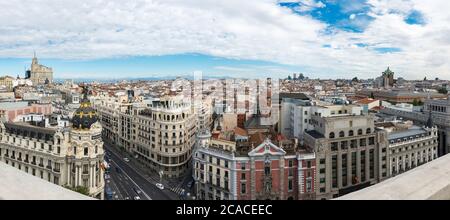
column 258, row 168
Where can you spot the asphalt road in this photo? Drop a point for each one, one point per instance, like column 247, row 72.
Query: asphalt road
column 127, row 181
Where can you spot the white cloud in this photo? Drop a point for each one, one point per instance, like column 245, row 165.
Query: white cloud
column 258, row 29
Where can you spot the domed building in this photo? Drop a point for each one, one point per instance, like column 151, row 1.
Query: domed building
column 49, row 147
column 85, row 116
column 86, row 148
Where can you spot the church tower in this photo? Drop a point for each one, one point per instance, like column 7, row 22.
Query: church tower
column 40, row 74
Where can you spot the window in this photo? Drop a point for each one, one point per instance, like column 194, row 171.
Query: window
column 368, row 131
column 243, row 188
column 334, row 146
column 290, row 185
column 86, row 151
column 344, row 145
column 360, row 132
column 362, row 142
column 332, row 135
column 350, row 133
column 341, row 134
column 242, row 176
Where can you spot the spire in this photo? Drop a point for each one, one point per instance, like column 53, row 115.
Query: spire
column 34, row 59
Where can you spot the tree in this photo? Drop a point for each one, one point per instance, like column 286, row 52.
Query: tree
column 372, row 96
column 443, row 90
column 79, row 189
column 425, row 79
column 355, row 79
column 417, row 102
column 289, row 78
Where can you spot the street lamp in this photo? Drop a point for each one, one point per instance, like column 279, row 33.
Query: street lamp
column 161, row 173
column 197, row 179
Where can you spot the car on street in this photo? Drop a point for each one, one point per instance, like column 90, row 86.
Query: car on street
column 126, row 159
column 160, row 186
column 137, row 198
column 190, row 184
column 136, row 190
column 107, row 177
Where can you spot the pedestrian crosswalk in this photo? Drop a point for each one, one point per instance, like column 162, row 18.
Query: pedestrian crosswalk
column 177, row 190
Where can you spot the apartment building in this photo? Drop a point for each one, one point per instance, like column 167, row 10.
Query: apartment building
column 410, row 146
column 160, row 132
column 350, row 153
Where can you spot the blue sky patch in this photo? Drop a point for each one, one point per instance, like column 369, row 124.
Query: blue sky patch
column 350, row 15
column 387, row 49
column 415, row 17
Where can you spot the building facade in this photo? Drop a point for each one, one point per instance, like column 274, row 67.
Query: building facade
column 40, row 74
column 439, row 111
column 240, row 167
column 350, row 153
column 7, row 82
column 411, row 147
column 160, row 133
column 64, row 155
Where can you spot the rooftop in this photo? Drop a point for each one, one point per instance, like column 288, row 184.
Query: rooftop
column 412, row 132
column 18, row 185
column 12, row 105
column 315, row 134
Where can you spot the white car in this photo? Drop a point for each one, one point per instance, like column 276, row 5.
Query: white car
column 137, row 198
column 126, row 159
column 160, row 186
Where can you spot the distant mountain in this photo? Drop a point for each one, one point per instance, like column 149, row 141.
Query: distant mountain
column 106, row 80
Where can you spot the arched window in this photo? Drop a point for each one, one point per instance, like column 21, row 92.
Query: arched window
column 341, row 134
column 86, row 151
column 360, row 132
column 368, row 131
column 332, row 135
column 350, row 133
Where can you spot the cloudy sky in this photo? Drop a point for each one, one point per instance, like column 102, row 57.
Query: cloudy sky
column 321, row 38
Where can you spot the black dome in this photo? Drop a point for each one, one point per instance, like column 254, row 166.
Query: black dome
column 85, row 116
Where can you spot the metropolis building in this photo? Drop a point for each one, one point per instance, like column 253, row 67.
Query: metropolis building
column 46, row 147
column 160, row 132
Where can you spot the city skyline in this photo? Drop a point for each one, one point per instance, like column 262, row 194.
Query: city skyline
column 327, row 39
